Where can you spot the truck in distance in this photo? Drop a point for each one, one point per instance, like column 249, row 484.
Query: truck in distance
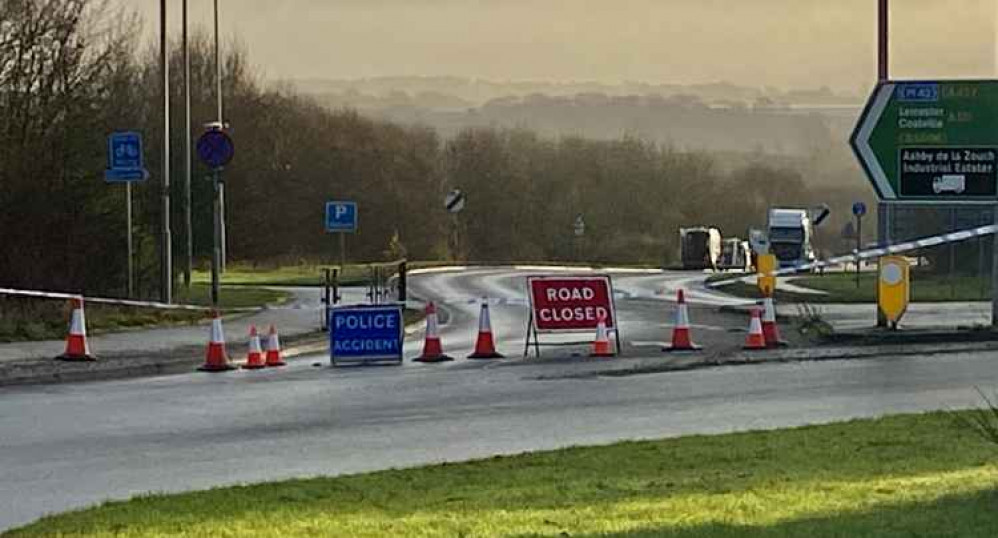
column 700, row 247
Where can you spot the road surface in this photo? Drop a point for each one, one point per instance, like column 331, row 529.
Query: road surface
column 73, row 445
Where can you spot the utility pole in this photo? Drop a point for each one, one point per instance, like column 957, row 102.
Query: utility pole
column 884, row 209
column 221, row 121
column 166, row 249
column 188, row 226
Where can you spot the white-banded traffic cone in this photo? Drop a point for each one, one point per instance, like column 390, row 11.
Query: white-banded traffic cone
column 755, row 339
column 274, row 349
column 602, row 346
column 77, row 348
column 681, row 340
column 432, row 348
column 254, row 359
column 770, row 330
column 216, row 359
column 485, row 346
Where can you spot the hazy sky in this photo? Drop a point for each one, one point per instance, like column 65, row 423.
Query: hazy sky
column 784, row 43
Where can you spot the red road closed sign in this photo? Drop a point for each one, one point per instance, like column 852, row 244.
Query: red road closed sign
column 570, row 303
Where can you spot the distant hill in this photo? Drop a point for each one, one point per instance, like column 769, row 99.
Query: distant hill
column 718, row 117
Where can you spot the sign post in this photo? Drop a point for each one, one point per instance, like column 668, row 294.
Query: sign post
column 932, row 142
column 125, row 165
column 341, row 218
column 454, row 203
column 858, row 210
column 215, row 149
column 569, row 304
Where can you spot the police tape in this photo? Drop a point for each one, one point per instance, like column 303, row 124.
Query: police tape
column 898, row 248
column 110, row 301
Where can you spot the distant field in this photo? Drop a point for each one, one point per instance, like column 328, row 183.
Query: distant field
column 903, row 476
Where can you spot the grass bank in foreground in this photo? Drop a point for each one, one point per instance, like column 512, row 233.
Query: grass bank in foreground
column 841, row 288
column 913, row 475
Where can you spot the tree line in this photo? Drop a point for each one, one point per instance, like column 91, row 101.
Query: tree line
column 70, row 75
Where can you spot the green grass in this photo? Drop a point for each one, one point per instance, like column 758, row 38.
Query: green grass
column 232, row 296
column 841, row 288
column 29, row 319
column 296, row 275
column 903, row 476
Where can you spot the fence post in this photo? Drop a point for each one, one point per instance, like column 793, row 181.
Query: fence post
column 402, row 283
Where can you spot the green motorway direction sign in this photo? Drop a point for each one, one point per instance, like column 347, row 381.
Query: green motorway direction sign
column 931, row 141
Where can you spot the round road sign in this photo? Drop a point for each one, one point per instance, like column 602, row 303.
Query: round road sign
column 859, row 209
column 454, row 201
column 215, row 148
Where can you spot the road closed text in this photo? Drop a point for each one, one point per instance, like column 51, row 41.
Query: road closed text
column 570, row 303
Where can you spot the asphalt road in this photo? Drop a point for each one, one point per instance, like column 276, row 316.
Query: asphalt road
column 73, row 445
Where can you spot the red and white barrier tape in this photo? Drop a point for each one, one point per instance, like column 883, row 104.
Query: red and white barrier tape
column 898, row 248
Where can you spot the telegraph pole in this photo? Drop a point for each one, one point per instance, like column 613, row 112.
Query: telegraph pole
column 188, row 226
column 166, row 249
column 221, row 186
column 884, row 209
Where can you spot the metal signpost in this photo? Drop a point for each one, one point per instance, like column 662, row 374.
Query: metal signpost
column 366, row 333
column 858, row 210
column 454, row 203
column 933, row 142
column 567, row 304
column 125, row 164
column 341, row 218
column 579, row 227
column 216, row 150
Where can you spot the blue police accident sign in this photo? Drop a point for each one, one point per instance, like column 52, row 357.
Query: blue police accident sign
column 365, row 333
column 124, row 158
column 341, row 216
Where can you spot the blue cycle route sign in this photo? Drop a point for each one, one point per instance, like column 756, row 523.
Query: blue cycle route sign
column 125, row 158
column 365, row 333
column 341, row 216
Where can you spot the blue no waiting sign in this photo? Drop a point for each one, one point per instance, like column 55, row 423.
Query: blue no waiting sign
column 365, row 333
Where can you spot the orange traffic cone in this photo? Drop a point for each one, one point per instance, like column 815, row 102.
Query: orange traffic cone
column 77, row 348
column 681, row 332
column 254, row 359
column 770, row 330
column 755, row 338
column 216, row 359
column 602, row 346
column 485, row 346
column 274, row 349
column 432, row 349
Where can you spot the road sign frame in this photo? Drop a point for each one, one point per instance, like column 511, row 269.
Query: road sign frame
column 534, row 331
column 350, row 227
column 398, row 336
column 922, row 92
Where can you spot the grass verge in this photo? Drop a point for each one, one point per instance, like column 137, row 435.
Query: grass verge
column 911, row 475
column 841, row 288
column 28, row 319
column 294, row 275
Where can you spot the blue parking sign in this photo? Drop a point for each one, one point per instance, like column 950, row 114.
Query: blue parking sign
column 125, row 158
column 341, row 216
column 366, row 333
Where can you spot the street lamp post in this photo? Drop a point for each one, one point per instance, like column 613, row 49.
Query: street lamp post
column 166, row 249
column 221, row 187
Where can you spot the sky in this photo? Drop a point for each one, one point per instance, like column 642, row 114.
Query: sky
column 781, row 43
